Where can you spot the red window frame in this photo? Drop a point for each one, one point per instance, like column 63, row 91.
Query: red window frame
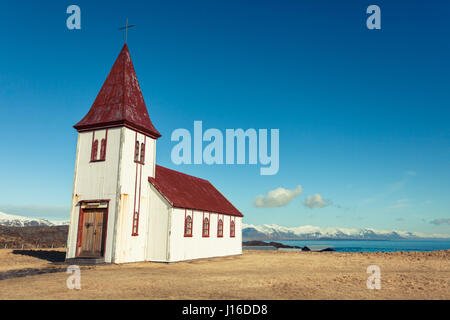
column 142, row 158
column 135, row 231
column 103, row 150
column 136, row 152
column 188, row 222
column 205, row 231
column 94, row 150
column 232, row 229
column 220, row 228
column 139, row 150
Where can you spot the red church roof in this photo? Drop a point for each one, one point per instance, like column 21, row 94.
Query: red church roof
column 185, row 191
column 120, row 101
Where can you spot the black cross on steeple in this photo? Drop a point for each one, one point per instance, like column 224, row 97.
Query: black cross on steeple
column 126, row 29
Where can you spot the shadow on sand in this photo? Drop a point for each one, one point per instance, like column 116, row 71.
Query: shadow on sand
column 28, row 272
column 51, row 256
column 55, row 257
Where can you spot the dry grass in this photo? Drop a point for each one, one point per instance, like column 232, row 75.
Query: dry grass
column 254, row 275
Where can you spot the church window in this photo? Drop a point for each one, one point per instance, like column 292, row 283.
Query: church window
column 142, row 153
column 136, row 152
column 135, row 224
column 220, row 228
column 94, row 150
column 188, row 226
column 205, row 232
column 232, row 228
column 103, row 150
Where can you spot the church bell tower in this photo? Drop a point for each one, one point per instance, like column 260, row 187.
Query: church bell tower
column 115, row 155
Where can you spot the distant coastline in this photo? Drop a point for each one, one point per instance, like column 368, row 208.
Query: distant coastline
column 349, row 239
column 361, row 245
column 273, row 232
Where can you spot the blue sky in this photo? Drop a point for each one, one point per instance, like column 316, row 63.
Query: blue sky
column 363, row 114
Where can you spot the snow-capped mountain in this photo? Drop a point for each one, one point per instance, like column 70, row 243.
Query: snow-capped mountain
column 11, row 220
column 275, row 232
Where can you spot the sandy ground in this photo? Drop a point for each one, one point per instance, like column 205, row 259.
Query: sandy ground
column 254, row 275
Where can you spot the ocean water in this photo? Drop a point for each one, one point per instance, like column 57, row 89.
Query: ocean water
column 371, row 245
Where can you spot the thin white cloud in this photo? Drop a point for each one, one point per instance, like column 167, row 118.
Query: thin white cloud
column 277, row 198
column 438, row 222
column 401, row 203
column 316, row 201
column 390, row 189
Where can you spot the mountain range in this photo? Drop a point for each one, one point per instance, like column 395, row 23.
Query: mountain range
column 265, row 231
column 275, row 232
column 10, row 220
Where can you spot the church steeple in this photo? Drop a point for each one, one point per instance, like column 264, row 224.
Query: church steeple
column 120, row 101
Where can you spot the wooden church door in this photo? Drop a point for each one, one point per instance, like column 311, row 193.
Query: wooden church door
column 94, row 221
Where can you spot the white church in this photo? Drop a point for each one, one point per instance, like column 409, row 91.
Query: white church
column 125, row 207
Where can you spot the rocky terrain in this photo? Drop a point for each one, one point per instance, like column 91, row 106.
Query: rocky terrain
column 33, row 237
column 256, row 243
column 256, row 274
